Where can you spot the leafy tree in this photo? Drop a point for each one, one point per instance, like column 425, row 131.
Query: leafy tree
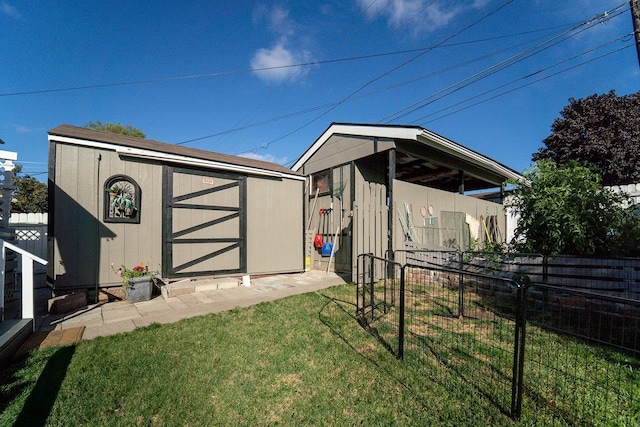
column 603, row 130
column 116, row 128
column 30, row 195
column 566, row 210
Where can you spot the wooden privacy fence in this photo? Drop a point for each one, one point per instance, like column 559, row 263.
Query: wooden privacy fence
column 618, row 277
column 614, row 277
column 370, row 219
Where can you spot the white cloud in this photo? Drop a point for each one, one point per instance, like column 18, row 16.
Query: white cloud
column 280, row 57
column 479, row 4
column 10, row 11
column 279, row 60
column 25, row 129
column 421, row 15
column 276, row 19
column 264, row 157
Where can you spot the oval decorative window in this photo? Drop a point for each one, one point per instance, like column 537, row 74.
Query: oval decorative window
column 122, row 200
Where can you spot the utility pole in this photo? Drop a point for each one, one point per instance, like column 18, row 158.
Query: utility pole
column 635, row 16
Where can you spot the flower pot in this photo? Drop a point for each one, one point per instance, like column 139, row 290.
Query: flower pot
column 139, row 289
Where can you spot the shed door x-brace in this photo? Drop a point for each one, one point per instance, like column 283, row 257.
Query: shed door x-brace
column 204, row 223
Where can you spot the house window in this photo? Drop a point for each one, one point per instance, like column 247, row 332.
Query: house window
column 321, row 182
column 122, row 199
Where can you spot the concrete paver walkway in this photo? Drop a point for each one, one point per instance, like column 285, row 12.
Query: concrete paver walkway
column 109, row 318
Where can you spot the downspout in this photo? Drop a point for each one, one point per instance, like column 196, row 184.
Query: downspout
column 99, row 193
column 352, row 233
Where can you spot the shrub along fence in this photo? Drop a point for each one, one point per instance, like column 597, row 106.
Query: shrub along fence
column 542, row 352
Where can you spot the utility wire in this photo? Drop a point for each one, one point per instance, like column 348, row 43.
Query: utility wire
column 227, row 73
column 273, row 97
column 542, row 70
column 524, row 85
column 379, row 12
column 377, row 91
column 501, row 66
column 345, row 99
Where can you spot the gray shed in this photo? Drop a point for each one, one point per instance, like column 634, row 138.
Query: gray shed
column 184, row 212
column 389, row 187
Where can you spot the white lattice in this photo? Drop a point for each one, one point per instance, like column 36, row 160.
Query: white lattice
column 27, row 234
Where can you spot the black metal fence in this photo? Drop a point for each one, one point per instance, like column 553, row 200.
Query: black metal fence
column 545, row 353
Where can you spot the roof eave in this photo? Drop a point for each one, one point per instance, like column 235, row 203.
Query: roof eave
column 173, row 158
column 394, row 132
column 453, row 148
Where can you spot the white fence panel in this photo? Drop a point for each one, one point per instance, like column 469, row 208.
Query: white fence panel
column 31, row 235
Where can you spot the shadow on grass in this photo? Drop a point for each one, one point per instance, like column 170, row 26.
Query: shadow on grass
column 38, row 405
column 341, row 322
column 344, row 318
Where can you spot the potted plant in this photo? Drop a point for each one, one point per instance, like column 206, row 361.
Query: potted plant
column 137, row 282
column 114, row 190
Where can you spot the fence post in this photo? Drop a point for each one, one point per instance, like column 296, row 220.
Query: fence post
column 518, row 353
column 372, row 274
column 27, row 289
column 2, row 278
column 390, row 256
column 359, row 283
column 401, row 316
column 460, row 284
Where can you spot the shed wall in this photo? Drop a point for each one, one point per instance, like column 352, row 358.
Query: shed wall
column 84, row 247
column 339, row 150
column 430, row 229
column 338, row 220
column 274, row 225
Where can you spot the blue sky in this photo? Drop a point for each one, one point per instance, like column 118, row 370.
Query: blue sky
column 265, row 79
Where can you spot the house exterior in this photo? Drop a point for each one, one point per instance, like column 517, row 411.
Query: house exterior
column 389, row 187
column 186, row 213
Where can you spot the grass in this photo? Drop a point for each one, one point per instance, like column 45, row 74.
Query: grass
column 566, row 382
column 302, row 360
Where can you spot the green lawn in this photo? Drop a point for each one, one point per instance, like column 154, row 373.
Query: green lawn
column 298, row 361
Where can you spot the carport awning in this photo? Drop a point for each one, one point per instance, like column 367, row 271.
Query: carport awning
column 424, row 157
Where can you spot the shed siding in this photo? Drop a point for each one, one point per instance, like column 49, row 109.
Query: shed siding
column 339, row 150
column 338, row 220
column 84, row 247
column 132, row 244
column 442, row 202
column 274, row 225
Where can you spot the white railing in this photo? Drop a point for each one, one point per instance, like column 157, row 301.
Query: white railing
column 28, row 259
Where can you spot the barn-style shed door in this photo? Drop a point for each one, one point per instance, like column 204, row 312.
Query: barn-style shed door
column 204, row 223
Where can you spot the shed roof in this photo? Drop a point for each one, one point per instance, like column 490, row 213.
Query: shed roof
column 130, row 146
column 423, row 157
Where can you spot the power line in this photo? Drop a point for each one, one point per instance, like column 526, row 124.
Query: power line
column 274, row 96
column 522, row 86
column 394, row 86
column 232, row 72
column 386, row 73
column 500, row 66
column 333, row 105
column 529, row 75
